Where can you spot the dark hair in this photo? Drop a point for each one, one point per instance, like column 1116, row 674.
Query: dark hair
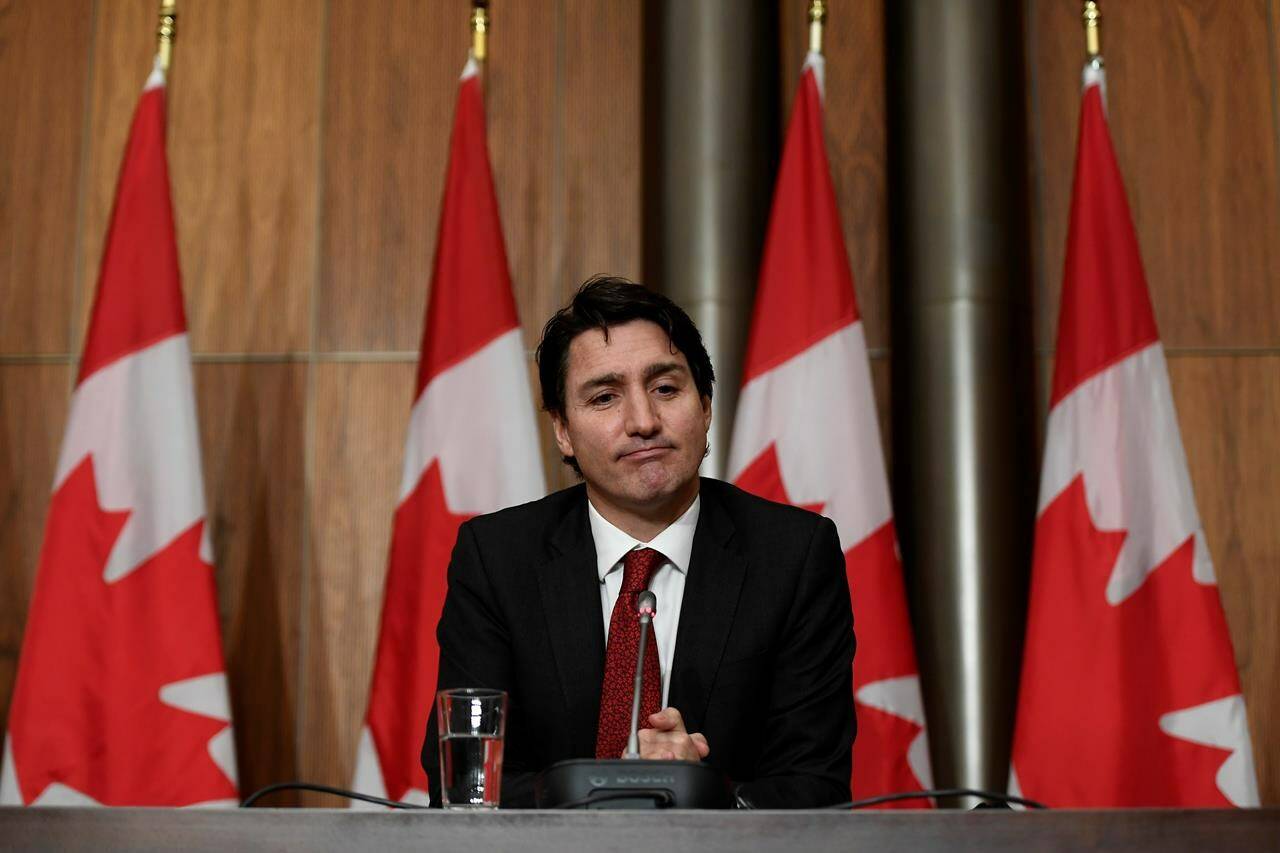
column 603, row 301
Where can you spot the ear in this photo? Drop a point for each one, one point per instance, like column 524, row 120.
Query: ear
column 706, row 413
column 562, row 435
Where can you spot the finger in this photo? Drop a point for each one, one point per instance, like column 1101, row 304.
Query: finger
column 700, row 744
column 653, row 744
column 672, row 746
column 667, row 720
column 654, row 741
column 656, row 746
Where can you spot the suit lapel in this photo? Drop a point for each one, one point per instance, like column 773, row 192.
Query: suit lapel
column 711, row 591
column 570, row 589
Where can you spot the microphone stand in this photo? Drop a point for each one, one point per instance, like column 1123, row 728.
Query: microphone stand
column 632, row 782
column 646, row 605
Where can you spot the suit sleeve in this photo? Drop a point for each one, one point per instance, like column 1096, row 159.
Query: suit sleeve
column 475, row 651
column 810, row 727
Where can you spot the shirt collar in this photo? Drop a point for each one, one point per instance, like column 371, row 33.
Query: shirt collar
column 675, row 542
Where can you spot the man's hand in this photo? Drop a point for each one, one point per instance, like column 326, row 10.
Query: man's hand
column 668, row 741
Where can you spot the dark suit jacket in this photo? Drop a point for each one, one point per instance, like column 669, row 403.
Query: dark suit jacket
column 763, row 653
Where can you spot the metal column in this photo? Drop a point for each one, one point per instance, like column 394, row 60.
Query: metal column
column 963, row 404
column 712, row 124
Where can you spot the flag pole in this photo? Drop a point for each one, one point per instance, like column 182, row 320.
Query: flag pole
column 480, row 29
column 817, row 20
column 1092, row 18
column 166, row 32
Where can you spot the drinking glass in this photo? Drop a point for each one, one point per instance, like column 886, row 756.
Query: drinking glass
column 472, row 723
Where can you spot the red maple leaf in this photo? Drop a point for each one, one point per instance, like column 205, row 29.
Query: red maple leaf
column 1098, row 677
column 885, row 648
column 404, row 676
column 86, row 710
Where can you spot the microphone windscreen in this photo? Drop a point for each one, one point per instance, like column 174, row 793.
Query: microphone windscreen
column 647, row 601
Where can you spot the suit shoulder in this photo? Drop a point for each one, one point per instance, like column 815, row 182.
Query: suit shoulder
column 755, row 510
column 524, row 518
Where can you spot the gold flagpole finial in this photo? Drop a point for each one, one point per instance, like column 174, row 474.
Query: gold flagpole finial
column 166, row 32
column 479, row 29
column 1092, row 36
column 817, row 18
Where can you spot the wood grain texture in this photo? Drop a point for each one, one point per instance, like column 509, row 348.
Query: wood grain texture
column 386, row 145
column 252, row 423
column 598, row 200
column 391, row 81
column 856, row 120
column 528, row 125
column 1229, row 408
column 123, row 50
column 361, row 412
column 33, row 408
column 243, row 145
column 1193, row 118
column 42, row 100
column 559, row 475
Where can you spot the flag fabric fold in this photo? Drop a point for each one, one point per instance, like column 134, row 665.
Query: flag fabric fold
column 1129, row 693
column 472, row 447
column 806, row 433
column 121, row 694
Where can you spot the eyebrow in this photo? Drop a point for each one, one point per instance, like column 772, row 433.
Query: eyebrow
column 655, row 369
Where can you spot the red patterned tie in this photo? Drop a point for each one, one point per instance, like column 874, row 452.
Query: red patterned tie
column 638, row 568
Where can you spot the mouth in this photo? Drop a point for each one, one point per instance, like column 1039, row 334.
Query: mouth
column 644, row 454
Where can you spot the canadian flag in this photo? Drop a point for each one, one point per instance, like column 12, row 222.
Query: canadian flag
column 1129, row 692
column 806, row 434
column 472, row 448
column 121, row 695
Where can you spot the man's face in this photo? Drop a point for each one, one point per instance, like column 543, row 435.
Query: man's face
column 634, row 420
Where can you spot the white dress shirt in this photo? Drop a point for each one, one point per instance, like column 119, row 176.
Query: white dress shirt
column 676, row 544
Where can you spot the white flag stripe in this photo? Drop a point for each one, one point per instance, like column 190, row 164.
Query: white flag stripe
column 819, row 409
column 1222, row 724
column 1119, row 428
column 137, row 417
column 9, row 795
column 901, row 697
column 368, row 777
column 472, row 417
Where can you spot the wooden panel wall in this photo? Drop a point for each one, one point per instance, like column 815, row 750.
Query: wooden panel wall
column 307, row 147
column 42, row 115
column 1194, row 117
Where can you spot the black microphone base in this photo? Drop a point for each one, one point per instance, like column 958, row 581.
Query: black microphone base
column 630, row 784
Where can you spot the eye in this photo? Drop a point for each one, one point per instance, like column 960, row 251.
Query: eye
column 604, row 398
column 667, row 389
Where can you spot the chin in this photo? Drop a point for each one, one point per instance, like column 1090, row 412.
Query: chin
column 652, row 486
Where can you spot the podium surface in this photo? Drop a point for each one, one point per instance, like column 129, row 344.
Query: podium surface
column 811, row 831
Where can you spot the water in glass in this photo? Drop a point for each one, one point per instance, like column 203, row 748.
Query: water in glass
column 471, row 770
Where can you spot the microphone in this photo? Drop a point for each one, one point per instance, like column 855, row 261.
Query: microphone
column 646, row 606
column 632, row 782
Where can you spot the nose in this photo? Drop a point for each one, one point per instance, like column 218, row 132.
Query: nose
column 641, row 416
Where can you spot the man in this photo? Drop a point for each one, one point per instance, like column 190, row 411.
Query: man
column 751, row 668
